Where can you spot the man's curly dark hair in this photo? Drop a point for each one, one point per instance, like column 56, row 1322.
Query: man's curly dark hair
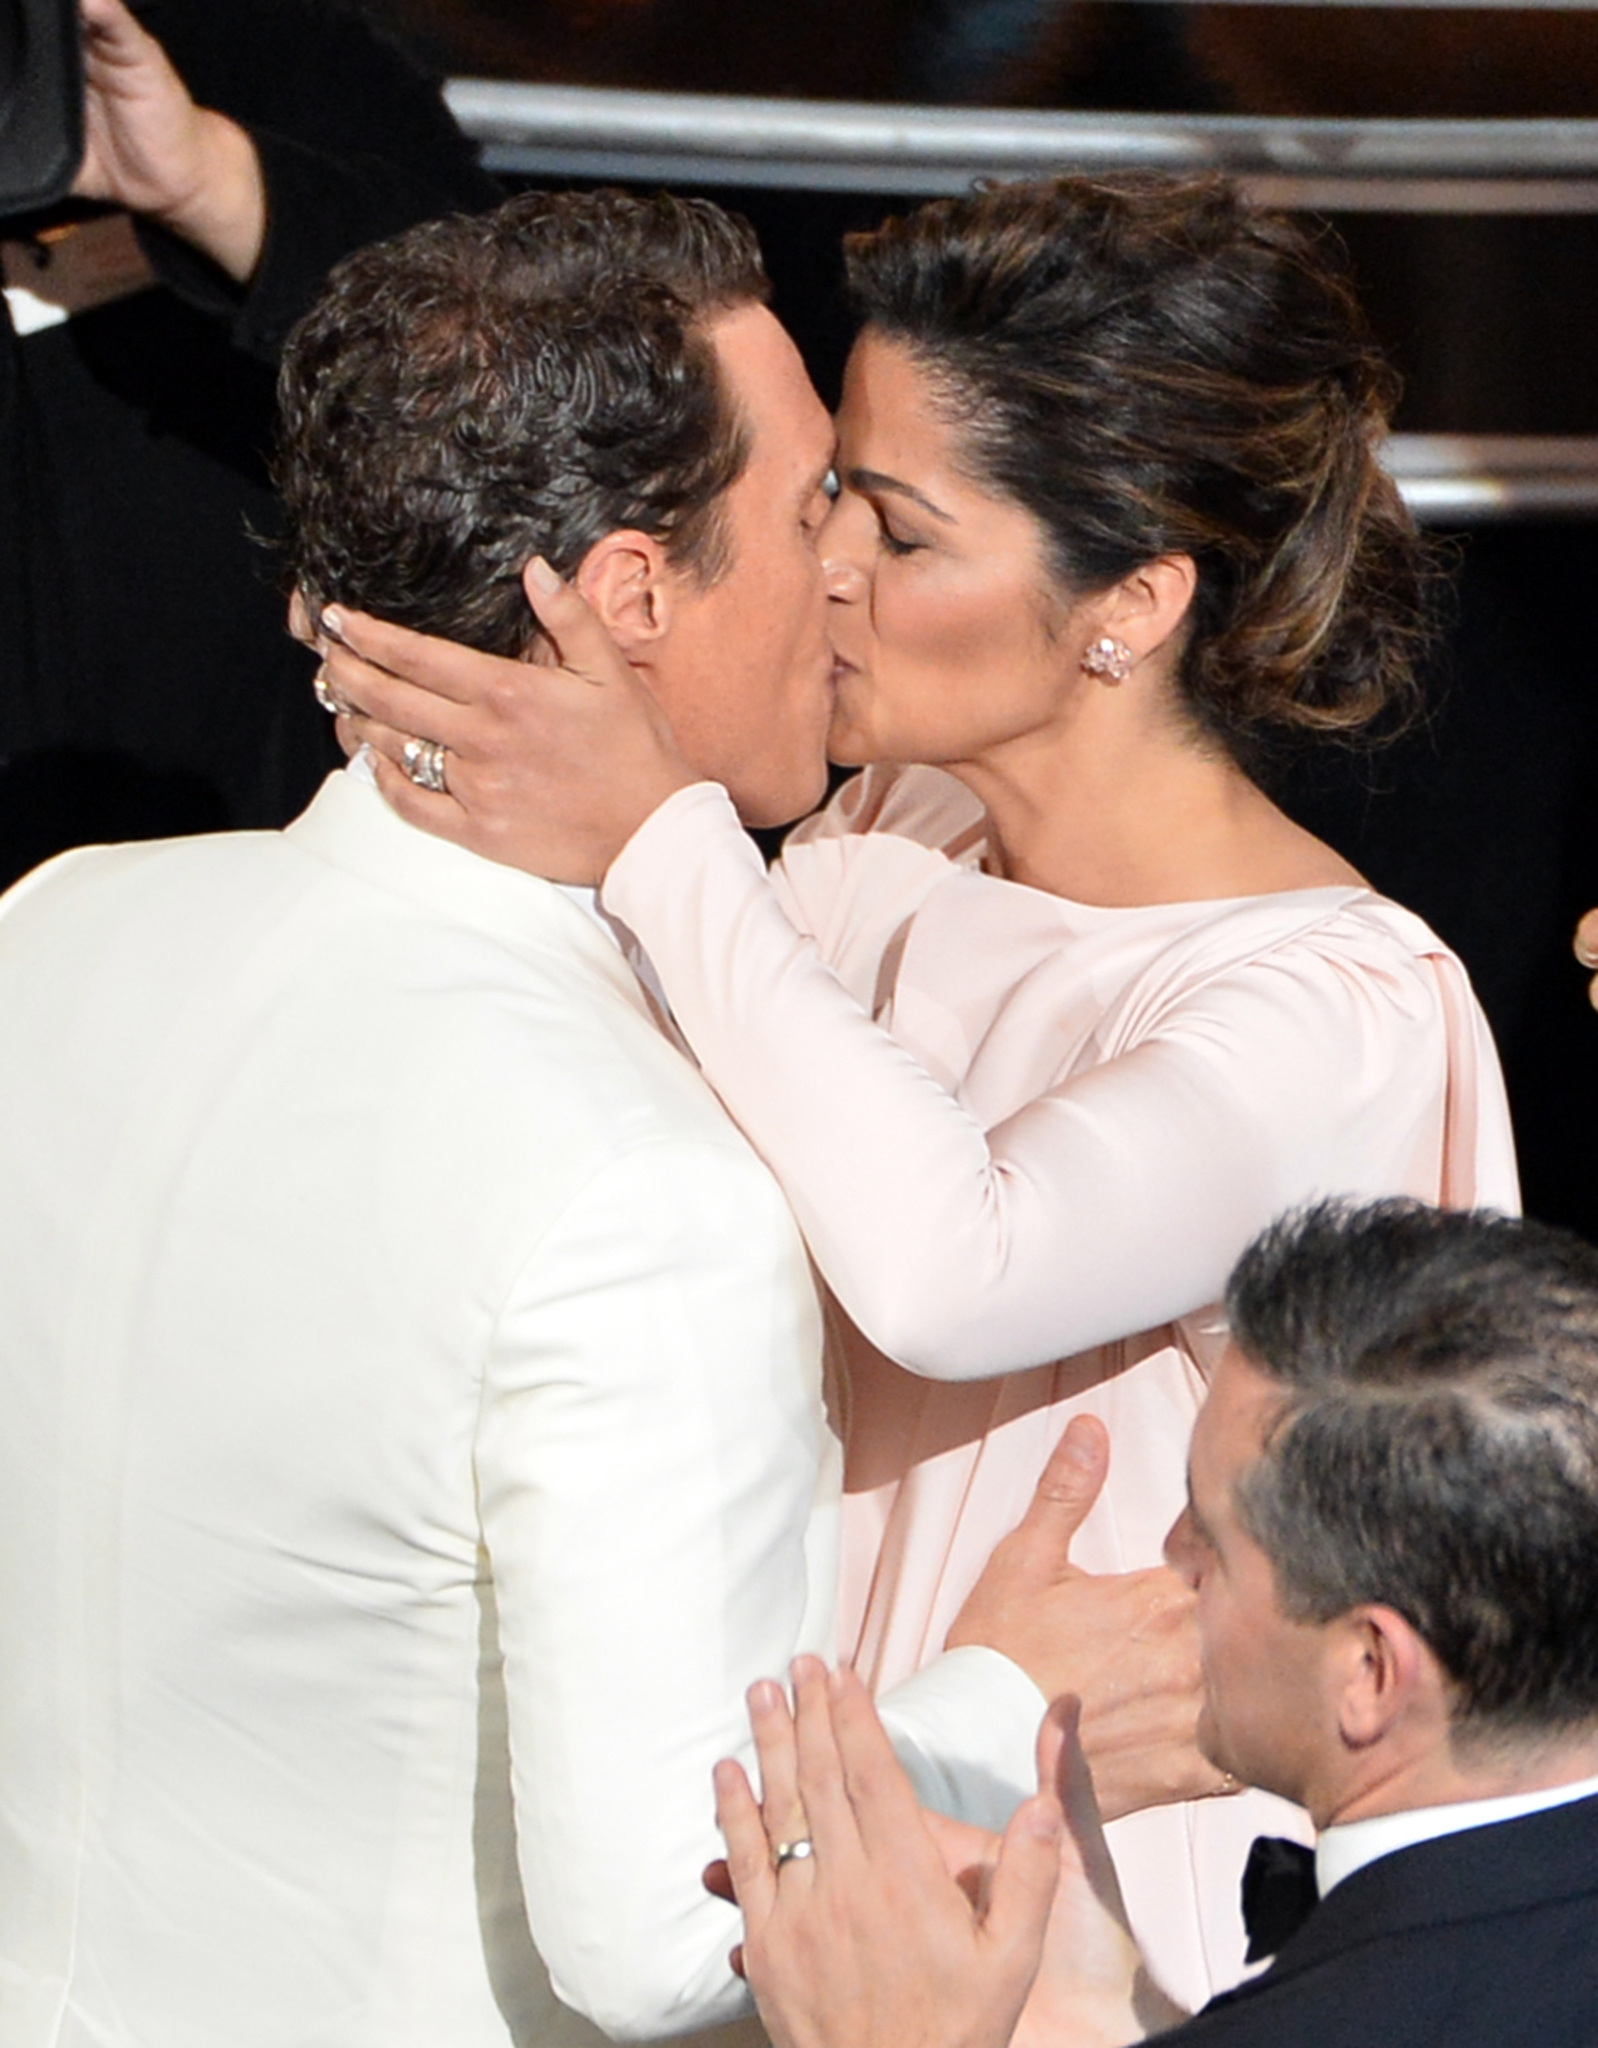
column 487, row 388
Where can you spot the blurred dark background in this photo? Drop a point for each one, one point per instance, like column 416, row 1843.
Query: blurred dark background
column 1126, row 54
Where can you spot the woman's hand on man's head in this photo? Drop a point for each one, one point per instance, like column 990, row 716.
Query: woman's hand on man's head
column 549, row 765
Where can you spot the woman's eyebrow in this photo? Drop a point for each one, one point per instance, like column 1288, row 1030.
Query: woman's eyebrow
column 874, row 480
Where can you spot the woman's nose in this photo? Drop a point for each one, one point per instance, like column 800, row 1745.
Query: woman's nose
column 845, row 541
column 846, row 580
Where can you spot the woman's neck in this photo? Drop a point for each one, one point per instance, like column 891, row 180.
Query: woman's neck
column 1120, row 812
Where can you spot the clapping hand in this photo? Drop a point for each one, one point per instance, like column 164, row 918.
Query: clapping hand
column 900, row 1929
column 1124, row 1643
column 867, row 1941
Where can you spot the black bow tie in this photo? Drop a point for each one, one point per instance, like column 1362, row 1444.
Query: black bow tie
column 1279, row 1893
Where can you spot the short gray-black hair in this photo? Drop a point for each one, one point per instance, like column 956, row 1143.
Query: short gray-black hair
column 1437, row 1447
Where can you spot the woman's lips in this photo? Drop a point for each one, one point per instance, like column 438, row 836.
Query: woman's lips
column 844, row 674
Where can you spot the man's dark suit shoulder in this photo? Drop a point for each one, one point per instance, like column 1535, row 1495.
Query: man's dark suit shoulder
column 1486, row 1937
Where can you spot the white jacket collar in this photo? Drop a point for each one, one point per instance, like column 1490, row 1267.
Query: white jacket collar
column 349, row 826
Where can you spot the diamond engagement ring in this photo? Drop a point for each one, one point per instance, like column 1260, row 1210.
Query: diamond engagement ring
column 423, row 761
column 793, row 1852
column 324, row 692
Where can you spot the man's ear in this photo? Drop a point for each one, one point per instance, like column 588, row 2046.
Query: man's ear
column 628, row 581
column 1384, row 1673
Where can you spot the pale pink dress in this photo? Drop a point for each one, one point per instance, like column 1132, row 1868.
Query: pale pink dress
column 1028, row 1137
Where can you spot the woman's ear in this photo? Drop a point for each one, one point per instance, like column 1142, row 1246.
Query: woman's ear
column 300, row 618
column 1151, row 605
column 627, row 580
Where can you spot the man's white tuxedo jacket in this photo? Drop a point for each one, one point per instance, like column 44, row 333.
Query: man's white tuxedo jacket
column 410, row 1424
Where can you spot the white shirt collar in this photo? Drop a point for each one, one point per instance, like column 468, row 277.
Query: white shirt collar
column 1343, row 1850
column 635, row 956
column 588, row 899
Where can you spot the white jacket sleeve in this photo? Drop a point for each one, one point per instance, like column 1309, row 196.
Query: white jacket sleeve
column 647, row 1459
column 965, row 1727
column 1113, row 1203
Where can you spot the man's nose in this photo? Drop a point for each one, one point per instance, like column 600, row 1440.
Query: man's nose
column 1181, row 1550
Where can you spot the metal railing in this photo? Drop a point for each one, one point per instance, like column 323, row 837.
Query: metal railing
column 572, row 131
column 1465, row 479
column 689, row 139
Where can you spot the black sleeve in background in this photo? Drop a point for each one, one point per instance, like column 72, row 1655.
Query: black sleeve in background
column 147, row 684
column 15, row 612
column 355, row 143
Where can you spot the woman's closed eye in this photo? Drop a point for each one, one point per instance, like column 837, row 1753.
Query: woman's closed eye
column 896, row 535
column 897, row 543
column 893, row 503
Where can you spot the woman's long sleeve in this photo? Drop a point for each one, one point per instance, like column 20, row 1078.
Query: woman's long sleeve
column 1116, row 1200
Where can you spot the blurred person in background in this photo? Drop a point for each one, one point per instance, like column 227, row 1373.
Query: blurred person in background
column 234, row 153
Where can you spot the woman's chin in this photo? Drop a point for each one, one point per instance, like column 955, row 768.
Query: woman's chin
column 847, row 747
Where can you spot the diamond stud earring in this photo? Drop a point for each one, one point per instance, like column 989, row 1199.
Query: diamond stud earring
column 1109, row 659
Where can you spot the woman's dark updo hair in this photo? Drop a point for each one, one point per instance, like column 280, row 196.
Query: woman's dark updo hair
column 1150, row 367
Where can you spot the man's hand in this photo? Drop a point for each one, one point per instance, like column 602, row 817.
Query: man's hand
column 1092, row 1988
column 1125, row 1644
column 1587, row 951
column 148, row 147
column 550, row 765
column 869, row 1942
